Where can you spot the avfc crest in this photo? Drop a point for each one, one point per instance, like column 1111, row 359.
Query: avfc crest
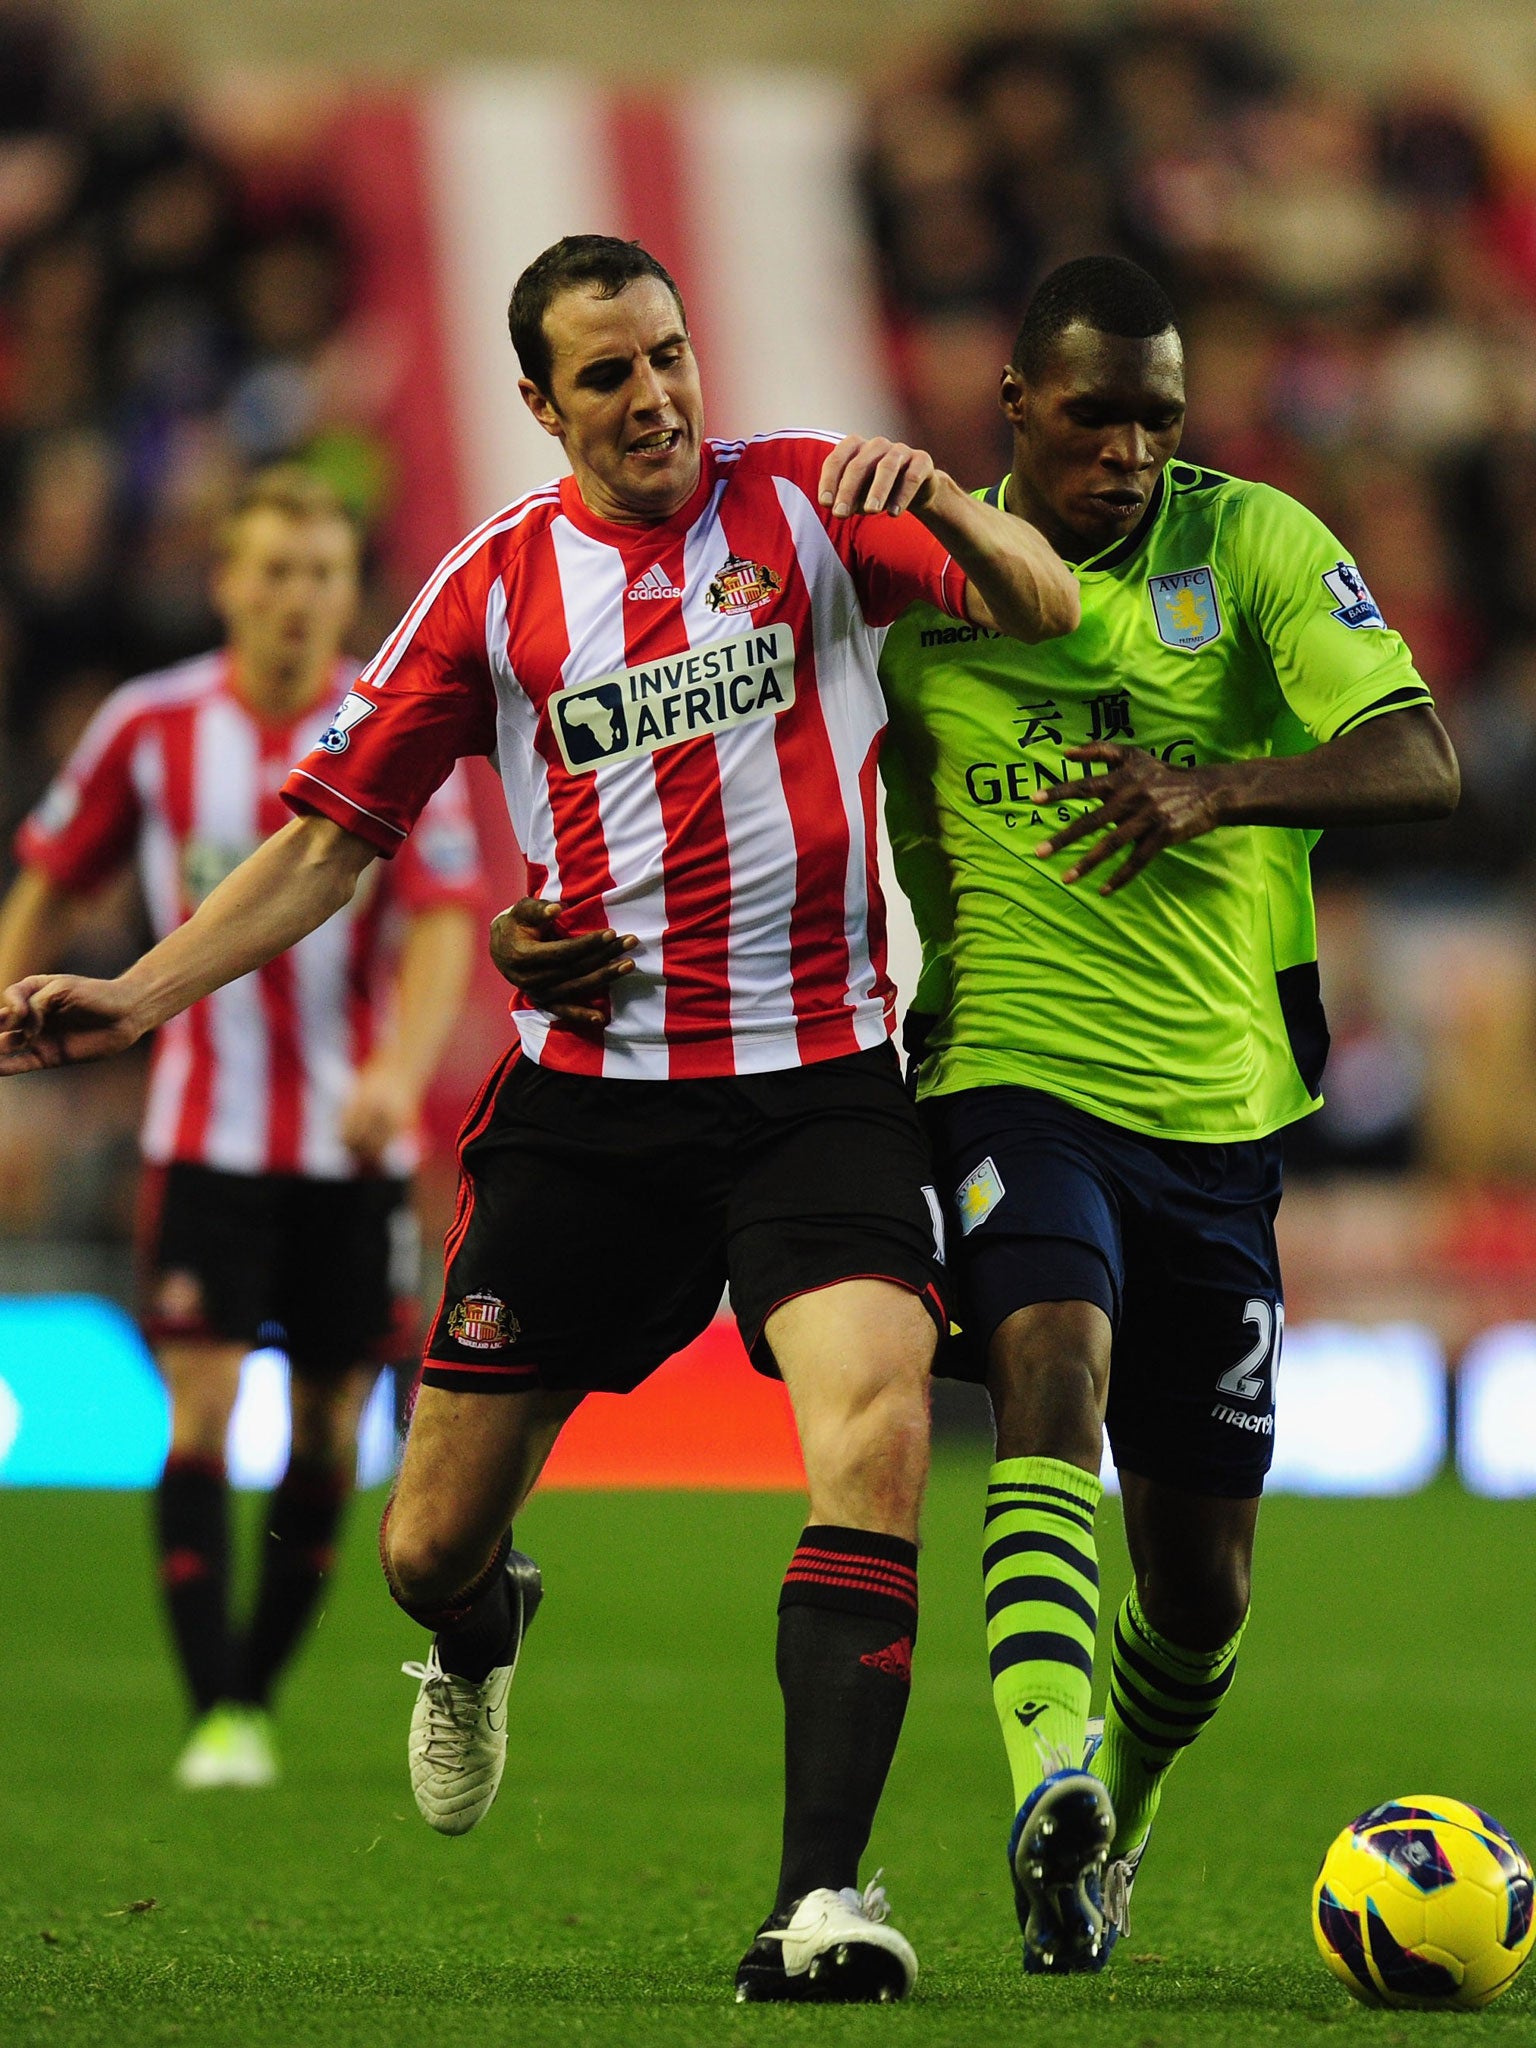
column 741, row 586
column 482, row 1322
column 1185, row 607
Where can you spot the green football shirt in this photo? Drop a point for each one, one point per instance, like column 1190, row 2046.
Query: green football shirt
column 1230, row 625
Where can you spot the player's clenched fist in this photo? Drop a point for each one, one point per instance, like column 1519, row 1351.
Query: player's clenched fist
column 60, row 1020
column 566, row 977
column 867, row 473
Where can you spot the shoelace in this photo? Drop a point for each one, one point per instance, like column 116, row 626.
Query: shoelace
column 871, row 1904
column 1118, row 1879
column 444, row 1702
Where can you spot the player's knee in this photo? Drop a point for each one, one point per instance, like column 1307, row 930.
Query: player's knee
column 1200, row 1611
column 873, row 1453
column 424, row 1562
column 1048, row 1379
column 200, row 1422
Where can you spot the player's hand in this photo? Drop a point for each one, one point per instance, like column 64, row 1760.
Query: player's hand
column 566, row 977
column 62, row 1020
column 381, row 1106
column 867, row 473
column 1145, row 806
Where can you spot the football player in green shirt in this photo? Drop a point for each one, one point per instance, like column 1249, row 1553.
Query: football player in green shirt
column 1105, row 839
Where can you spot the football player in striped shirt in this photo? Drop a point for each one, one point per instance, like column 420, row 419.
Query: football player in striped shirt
column 279, row 1133
column 671, row 653
column 1121, row 987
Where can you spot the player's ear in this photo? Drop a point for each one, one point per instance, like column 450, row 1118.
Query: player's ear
column 542, row 406
column 1011, row 395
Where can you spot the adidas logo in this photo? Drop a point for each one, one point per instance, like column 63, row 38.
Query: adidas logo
column 655, row 583
column 895, row 1659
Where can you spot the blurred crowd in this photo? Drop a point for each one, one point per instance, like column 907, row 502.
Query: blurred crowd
column 1356, row 281
column 168, row 318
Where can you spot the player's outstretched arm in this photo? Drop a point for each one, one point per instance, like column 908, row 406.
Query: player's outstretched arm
column 35, row 921
column 430, row 984
column 1017, row 581
column 1398, row 769
column 289, row 886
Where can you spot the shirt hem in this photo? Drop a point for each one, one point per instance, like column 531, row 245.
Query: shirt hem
column 1113, row 1114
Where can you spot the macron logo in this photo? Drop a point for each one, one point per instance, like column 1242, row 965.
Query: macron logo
column 655, row 583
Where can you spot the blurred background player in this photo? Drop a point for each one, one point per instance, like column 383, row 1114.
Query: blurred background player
column 279, row 1134
column 1123, row 1015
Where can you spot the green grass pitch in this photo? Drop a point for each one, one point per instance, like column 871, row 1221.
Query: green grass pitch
column 607, row 1896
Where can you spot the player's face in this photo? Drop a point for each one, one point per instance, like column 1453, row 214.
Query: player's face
column 1092, row 434
column 624, row 399
column 287, row 592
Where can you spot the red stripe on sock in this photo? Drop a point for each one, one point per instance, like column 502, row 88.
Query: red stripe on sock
column 850, row 1583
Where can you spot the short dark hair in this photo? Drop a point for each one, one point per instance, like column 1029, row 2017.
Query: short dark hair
column 1108, row 293
column 597, row 263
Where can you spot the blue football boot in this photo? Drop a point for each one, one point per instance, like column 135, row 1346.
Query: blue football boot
column 1058, row 1852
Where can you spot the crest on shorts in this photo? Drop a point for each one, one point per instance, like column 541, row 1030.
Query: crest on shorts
column 742, row 585
column 482, row 1322
column 978, row 1195
column 1185, row 608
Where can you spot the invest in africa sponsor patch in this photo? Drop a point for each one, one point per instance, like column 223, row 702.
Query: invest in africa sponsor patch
column 707, row 689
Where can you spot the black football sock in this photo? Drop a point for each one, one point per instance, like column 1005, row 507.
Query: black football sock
column 192, row 1534
column 473, row 1647
column 303, row 1517
column 847, row 1623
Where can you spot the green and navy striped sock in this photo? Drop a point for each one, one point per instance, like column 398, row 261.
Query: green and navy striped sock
column 1160, row 1697
column 1041, row 1572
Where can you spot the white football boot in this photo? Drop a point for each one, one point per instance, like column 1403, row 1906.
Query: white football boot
column 230, row 1746
column 458, row 1740
column 835, row 1947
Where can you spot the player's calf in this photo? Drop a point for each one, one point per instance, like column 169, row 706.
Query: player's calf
column 458, row 1738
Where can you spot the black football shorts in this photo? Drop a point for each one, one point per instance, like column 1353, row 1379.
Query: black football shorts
column 1174, row 1240
column 599, row 1222
column 319, row 1268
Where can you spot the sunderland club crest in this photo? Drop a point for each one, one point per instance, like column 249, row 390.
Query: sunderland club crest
column 741, row 586
column 482, row 1322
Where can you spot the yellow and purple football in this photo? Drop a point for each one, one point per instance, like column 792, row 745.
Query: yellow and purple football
column 1425, row 1902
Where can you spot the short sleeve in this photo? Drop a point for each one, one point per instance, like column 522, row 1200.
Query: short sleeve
column 85, row 827
column 1337, row 661
column 423, row 702
column 440, row 863
column 896, row 563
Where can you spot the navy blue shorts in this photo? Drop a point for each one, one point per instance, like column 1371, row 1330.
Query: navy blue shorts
column 1175, row 1241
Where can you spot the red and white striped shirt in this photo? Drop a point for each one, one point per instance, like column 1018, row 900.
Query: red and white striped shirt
column 177, row 774
column 686, row 717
